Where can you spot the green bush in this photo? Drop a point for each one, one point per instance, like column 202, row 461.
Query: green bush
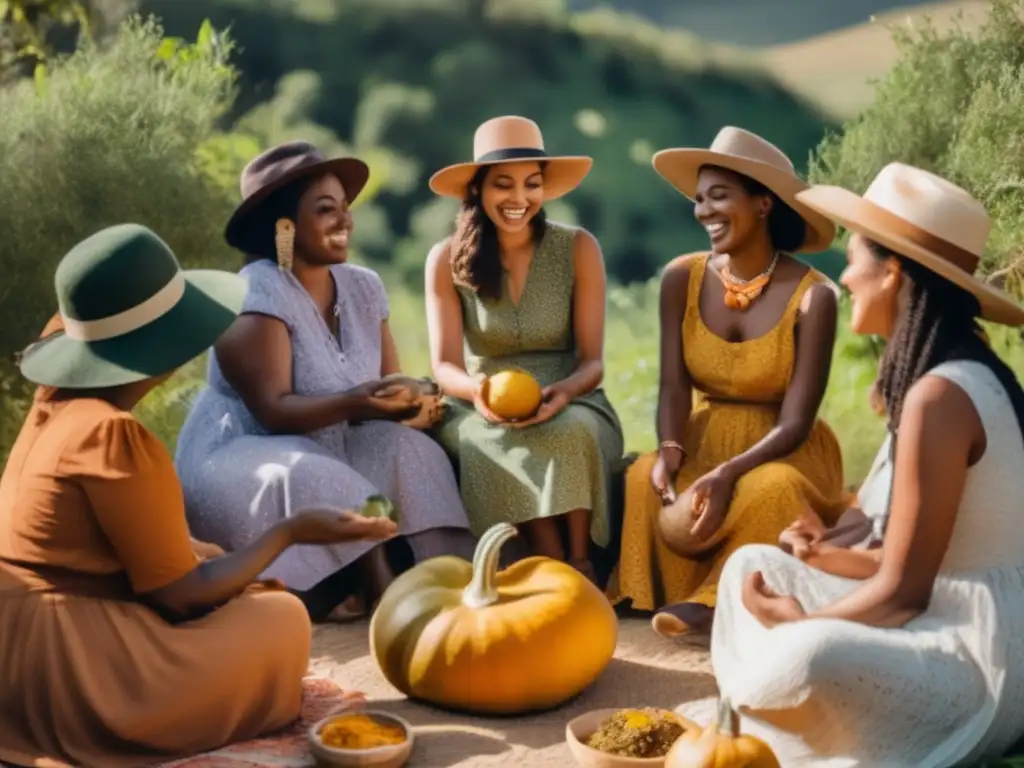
column 953, row 104
column 410, row 80
column 110, row 134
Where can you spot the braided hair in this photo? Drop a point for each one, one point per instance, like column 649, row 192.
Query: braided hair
column 940, row 324
column 475, row 257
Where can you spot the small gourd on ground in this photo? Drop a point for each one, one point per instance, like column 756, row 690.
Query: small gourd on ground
column 512, row 394
column 472, row 638
column 721, row 745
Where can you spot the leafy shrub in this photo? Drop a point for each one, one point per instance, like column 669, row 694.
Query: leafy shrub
column 410, row 80
column 110, row 134
column 953, row 104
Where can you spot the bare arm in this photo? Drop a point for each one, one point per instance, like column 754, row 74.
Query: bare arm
column 213, row 582
column 814, row 344
column 675, row 391
column 255, row 356
column 389, row 362
column 590, row 303
column 444, row 327
column 940, row 431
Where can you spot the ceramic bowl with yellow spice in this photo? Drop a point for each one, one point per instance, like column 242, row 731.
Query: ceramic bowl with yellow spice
column 625, row 738
column 361, row 738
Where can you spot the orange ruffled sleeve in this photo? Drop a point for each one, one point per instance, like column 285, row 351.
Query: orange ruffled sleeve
column 129, row 478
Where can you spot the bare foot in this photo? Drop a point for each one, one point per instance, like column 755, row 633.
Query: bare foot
column 351, row 608
column 675, row 621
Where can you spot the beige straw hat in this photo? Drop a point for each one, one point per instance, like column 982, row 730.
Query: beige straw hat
column 748, row 154
column 506, row 140
column 925, row 218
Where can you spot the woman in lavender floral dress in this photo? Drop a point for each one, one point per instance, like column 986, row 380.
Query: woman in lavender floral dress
column 296, row 414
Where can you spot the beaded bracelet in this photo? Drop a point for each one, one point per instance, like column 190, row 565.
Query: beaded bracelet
column 671, row 444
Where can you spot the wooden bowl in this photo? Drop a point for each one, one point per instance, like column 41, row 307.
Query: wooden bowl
column 580, row 729
column 392, row 756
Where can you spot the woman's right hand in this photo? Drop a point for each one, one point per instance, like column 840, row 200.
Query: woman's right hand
column 480, row 401
column 389, row 400
column 324, row 525
column 802, row 537
column 663, row 475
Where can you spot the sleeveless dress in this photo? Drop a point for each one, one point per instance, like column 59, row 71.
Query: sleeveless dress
column 947, row 687
column 239, row 480
column 515, row 475
column 92, row 515
column 738, row 391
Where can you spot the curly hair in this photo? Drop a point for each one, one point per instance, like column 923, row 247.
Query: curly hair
column 939, row 324
column 475, row 258
column 787, row 230
column 257, row 241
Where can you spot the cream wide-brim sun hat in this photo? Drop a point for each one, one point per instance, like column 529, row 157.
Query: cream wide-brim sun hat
column 511, row 139
column 925, row 218
column 748, row 154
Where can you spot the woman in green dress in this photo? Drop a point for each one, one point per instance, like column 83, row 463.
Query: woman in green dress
column 512, row 290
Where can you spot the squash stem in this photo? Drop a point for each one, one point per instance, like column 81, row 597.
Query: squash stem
column 481, row 591
column 728, row 719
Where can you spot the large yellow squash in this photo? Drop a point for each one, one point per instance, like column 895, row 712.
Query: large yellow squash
column 472, row 638
column 721, row 745
column 512, row 394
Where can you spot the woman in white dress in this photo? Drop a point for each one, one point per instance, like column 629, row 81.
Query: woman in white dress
column 907, row 650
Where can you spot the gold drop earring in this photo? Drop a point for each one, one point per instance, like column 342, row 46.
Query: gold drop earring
column 284, row 242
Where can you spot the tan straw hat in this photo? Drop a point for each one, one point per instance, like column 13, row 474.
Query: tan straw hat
column 512, row 139
column 748, row 154
column 925, row 218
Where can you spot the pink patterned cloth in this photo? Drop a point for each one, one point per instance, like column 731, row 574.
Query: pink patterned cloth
column 285, row 749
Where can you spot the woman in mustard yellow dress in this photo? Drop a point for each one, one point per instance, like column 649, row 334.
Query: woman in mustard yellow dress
column 747, row 334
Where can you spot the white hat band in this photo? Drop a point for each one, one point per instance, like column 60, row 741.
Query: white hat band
column 123, row 323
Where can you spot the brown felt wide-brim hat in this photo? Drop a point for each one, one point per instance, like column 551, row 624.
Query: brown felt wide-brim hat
column 512, row 139
column 278, row 167
column 925, row 218
column 748, row 154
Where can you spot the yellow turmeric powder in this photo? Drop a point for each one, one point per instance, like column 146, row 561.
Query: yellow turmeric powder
column 359, row 731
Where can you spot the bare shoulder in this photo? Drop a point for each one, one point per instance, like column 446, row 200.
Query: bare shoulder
column 676, row 273
column 586, row 248
column 819, row 300
column 937, row 408
column 440, row 254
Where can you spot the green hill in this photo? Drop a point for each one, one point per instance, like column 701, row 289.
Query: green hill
column 405, row 82
column 752, row 22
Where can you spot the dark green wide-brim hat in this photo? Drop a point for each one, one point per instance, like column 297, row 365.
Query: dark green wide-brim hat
column 130, row 312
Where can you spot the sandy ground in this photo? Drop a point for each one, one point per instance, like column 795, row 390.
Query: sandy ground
column 646, row 671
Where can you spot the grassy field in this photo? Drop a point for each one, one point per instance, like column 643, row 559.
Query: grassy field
column 835, row 71
column 631, row 379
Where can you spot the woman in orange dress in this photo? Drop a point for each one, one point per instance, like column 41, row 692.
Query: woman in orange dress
column 746, row 344
column 122, row 646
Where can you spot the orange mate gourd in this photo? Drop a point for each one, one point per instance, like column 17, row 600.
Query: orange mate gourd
column 721, row 745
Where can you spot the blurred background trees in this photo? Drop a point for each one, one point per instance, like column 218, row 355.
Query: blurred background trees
column 152, row 122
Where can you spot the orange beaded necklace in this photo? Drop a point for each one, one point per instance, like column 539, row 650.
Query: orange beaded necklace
column 740, row 294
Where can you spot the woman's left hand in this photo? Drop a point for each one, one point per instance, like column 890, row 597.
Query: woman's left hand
column 711, row 496
column 431, row 412
column 766, row 605
column 554, row 399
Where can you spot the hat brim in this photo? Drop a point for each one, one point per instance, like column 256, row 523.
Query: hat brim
column 681, row 168
column 352, row 172
column 856, row 214
column 210, row 303
column 562, row 175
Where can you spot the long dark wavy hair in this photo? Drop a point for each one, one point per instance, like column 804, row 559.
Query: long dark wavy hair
column 786, row 229
column 475, row 260
column 939, row 324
